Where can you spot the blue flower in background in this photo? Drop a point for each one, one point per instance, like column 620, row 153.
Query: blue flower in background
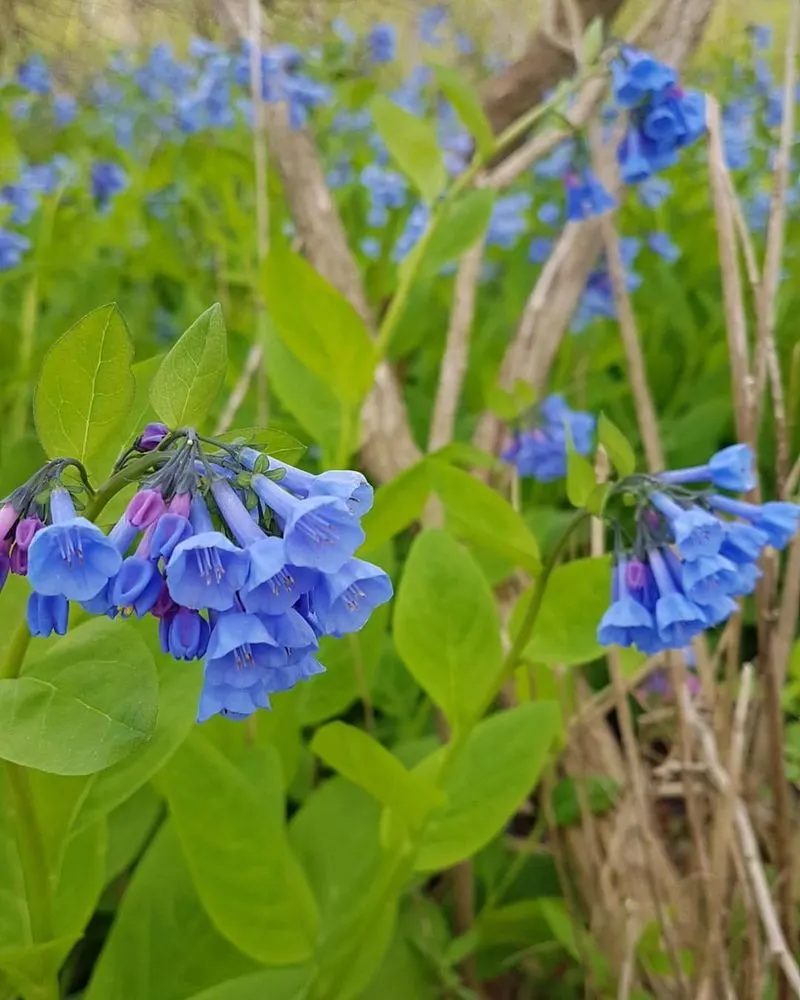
column 386, row 189
column 509, row 221
column 586, row 196
column 540, row 249
column 761, row 34
column 661, row 244
column 549, row 213
column 65, row 110
column 637, row 76
column 34, row 75
column 414, row 228
column 654, row 191
column 539, row 449
column 108, row 179
column 430, row 21
column 382, row 43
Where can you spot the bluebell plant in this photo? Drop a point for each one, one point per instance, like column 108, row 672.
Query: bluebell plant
column 683, row 556
column 538, row 446
column 245, row 562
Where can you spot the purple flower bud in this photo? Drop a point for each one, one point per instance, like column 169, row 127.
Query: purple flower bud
column 151, row 437
column 145, row 508
column 26, row 529
column 636, row 574
column 8, row 516
column 19, row 561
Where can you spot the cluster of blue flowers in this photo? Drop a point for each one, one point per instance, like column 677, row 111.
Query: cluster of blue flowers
column 244, row 561
column 538, row 448
column 664, row 118
column 692, row 552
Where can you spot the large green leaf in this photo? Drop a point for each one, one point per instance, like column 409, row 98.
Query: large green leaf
column 446, row 627
column 90, row 702
column 231, row 829
column 185, row 386
column 162, row 945
column 178, row 696
column 457, row 227
column 497, row 768
column 565, row 633
column 413, row 145
column 139, row 413
column 477, row 513
column 272, row 984
column 362, row 760
column 86, row 386
column 318, row 325
column 304, row 395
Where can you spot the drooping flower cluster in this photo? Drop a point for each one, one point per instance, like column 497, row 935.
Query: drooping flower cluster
column 665, row 118
column 244, row 561
column 692, row 553
column 538, row 448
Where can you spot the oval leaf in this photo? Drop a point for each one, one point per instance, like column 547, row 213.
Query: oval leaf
column 185, row 386
column 86, row 386
column 498, row 767
column 231, row 829
column 413, row 145
column 617, row 446
column 456, row 228
column 446, row 627
column 87, row 704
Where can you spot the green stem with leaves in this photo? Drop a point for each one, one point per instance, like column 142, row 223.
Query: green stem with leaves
column 508, row 137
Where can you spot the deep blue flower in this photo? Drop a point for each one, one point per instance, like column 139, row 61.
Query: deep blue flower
column 541, row 451
column 382, row 43
column 318, row 532
column 696, row 532
column 636, row 76
column 344, row 600
column 108, row 179
column 626, row 622
column 184, row 634
column 47, row 614
column 171, row 529
column 729, row 469
column 71, row 557
column 777, row 519
column 586, row 196
column 706, row 579
column 678, row 619
column 635, row 167
column 206, row 571
column 136, row 587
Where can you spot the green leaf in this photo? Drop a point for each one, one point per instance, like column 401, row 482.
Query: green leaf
column 130, row 827
column 477, row 513
column 576, row 597
column 413, row 145
column 90, row 702
column 335, row 837
column 234, row 843
column 163, row 945
column 498, row 767
column 467, row 105
column 592, row 42
column 456, row 228
column 397, row 504
column 362, row 760
column 272, row 984
column 601, row 794
column 318, row 325
column 185, row 387
column 580, row 479
column 617, row 446
column 304, row 395
column 269, row 440
column 179, row 693
column 86, row 386
column 446, row 627
column 510, row 404
column 141, row 412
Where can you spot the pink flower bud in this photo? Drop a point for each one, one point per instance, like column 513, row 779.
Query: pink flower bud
column 145, row 508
